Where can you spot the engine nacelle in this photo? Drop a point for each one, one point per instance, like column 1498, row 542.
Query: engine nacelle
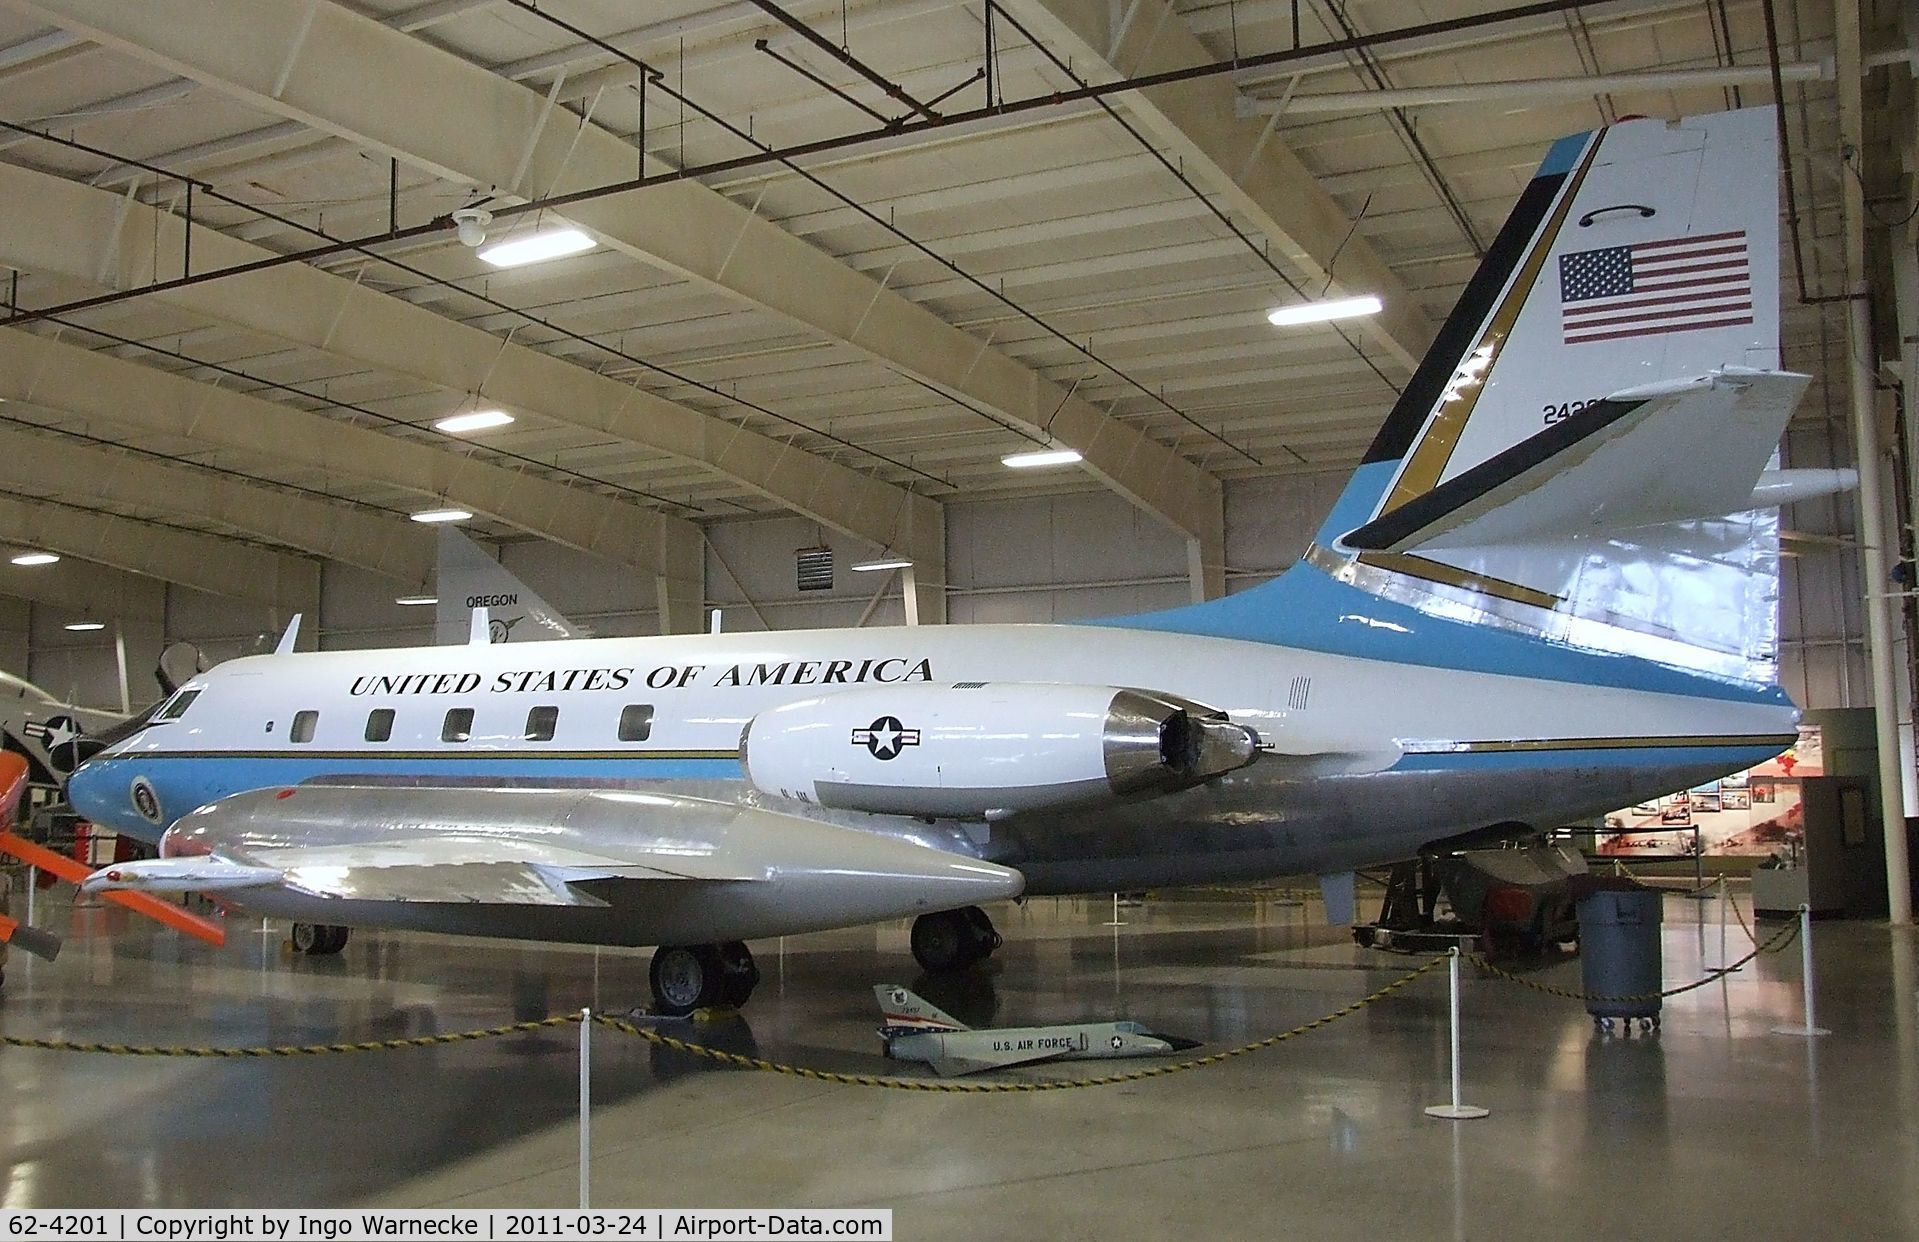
column 985, row 750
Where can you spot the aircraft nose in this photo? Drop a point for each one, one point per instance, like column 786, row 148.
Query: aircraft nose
column 87, row 791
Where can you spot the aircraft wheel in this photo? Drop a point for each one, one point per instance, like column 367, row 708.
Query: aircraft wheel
column 318, row 939
column 986, row 937
column 741, row 974
column 687, row 977
column 953, row 939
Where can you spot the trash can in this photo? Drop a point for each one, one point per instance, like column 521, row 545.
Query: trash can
column 1619, row 952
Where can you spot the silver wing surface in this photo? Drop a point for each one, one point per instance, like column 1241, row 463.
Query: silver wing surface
column 611, row 866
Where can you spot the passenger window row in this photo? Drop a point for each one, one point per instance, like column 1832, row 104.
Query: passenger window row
column 636, row 724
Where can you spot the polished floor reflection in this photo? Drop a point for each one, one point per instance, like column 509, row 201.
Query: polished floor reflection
column 1713, row 1125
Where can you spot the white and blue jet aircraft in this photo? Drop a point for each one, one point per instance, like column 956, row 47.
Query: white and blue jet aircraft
column 1550, row 590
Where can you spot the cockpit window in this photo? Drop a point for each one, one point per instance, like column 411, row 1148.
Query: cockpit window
column 178, row 706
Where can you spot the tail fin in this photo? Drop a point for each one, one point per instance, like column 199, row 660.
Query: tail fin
column 1583, row 456
column 468, row 578
column 904, row 1011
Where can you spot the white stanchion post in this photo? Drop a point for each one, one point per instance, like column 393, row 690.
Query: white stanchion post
column 1455, row 1111
column 1725, row 899
column 586, row 1108
column 1811, row 1027
column 33, row 888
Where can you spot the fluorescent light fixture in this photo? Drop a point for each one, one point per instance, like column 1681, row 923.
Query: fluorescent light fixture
column 1320, row 312
column 478, row 420
column 414, row 601
column 884, row 562
column 35, row 558
column 440, row 515
column 1042, row 457
column 82, row 627
column 536, row 248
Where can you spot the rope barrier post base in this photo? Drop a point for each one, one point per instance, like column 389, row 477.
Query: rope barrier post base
column 1811, row 1028
column 1699, row 886
column 586, row 1108
column 1456, row 1111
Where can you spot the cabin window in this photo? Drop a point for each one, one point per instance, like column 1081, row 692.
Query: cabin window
column 303, row 725
column 379, row 724
column 636, row 722
column 178, row 707
column 458, row 726
column 540, row 723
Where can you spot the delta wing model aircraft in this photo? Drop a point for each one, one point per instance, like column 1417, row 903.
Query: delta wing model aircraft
column 1549, row 590
column 915, row 1030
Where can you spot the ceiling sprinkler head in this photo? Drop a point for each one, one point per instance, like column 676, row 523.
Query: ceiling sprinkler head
column 472, row 224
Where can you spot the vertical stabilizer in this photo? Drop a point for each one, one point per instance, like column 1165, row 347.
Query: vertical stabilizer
column 468, row 578
column 1582, row 456
column 904, row 1011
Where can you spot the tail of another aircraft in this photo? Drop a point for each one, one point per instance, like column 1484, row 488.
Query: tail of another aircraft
column 903, row 1011
column 466, row 578
column 1586, row 454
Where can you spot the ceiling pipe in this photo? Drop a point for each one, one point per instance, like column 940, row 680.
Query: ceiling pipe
column 1527, row 89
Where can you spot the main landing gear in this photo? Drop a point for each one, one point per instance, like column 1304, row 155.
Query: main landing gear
column 953, row 939
column 318, row 939
column 701, row 976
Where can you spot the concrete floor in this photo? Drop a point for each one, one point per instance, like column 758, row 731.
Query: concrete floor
column 1714, row 1125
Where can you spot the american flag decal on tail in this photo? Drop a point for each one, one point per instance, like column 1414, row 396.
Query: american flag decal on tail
column 1654, row 287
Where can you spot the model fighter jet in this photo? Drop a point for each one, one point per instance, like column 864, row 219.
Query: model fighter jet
column 916, row 1030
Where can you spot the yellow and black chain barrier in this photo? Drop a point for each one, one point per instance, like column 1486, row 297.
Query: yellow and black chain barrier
column 285, row 1050
column 1779, row 941
column 1004, row 1086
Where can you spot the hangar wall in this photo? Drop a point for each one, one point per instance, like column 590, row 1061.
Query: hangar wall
column 1058, row 558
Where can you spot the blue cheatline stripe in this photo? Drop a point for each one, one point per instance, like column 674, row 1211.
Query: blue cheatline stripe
column 1726, row 758
column 102, row 791
column 1306, row 608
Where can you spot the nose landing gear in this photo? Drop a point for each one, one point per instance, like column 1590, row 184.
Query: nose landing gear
column 952, row 940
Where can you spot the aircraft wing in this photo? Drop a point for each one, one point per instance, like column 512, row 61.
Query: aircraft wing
column 1664, row 453
column 519, row 846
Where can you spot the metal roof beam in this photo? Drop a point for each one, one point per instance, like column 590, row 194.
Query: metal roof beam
column 204, row 562
column 1238, row 158
column 392, row 546
column 97, row 591
column 61, row 227
column 684, row 227
column 40, row 371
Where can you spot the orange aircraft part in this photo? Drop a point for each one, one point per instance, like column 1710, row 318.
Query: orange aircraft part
column 13, row 783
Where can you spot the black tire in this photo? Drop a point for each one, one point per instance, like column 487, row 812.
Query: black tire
column 318, row 939
column 685, row 978
column 741, row 973
column 945, row 942
column 987, row 936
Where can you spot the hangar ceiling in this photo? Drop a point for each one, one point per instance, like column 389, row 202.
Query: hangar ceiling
column 857, row 333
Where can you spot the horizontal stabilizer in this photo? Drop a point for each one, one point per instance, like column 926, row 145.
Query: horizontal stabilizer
column 1642, row 457
column 1777, row 488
